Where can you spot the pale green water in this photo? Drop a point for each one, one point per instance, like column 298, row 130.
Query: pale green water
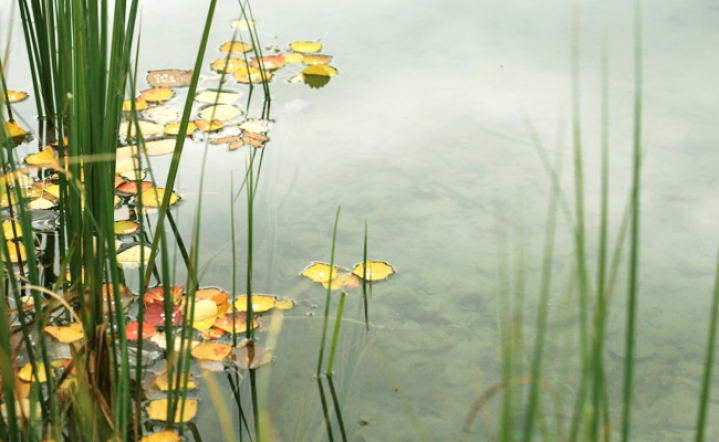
column 420, row 136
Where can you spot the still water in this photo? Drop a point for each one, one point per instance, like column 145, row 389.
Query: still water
column 421, row 137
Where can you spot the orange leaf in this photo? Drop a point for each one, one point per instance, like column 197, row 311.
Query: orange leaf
column 211, row 351
column 239, row 320
column 132, row 330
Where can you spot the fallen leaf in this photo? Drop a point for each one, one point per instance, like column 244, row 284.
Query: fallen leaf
column 269, row 62
column 13, row 130
column 174, row 128
column 284, row 304
column 214, row 294
column 153, row 197
column 130, row 187
column 250, row 356
column 157, row 294
column 169, row 77
column 235, row 47
column 293, row 57
column 239, row 319
column 210, row 96
column 256, row 125
column 11, row 230
column 208, row 126
column 345, row 281
column 130, row 258
column 376, row 270
column 140, row 104
column 221, row 112
column 260, row 303
column 306, row 47
column 320, row 70
column 40, row 204
column 16, row 252
column 211, row 351
column 162, row 436
column 26, row 373
column 126, row 227
column 228, row 65
column 45, row 157
column 157, row 410
column 161, row 381
column 251, row 75
column 132, row 330
column 147, row 129
column 315, row 59
column 156, row 94
column 213, row 333
column 66, row 333
column 161, row 114
column 319, row 272
column 155, row 315
column 160, row 147
column 14, row 96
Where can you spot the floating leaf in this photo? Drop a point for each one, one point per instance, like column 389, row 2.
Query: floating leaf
column 40, row 204
column 221, row 112
column 147, row 129
column 132, row 330
column 269, row 62
column 160, row 147
column 11, row 229
column 235, row 142
column 284, row 304
column 228, row 65
column 256, row 126
column 157, row 94
column 213, row 333
column 153, row 197
column 293, row 57
column 216, row 97
column 260, row 303
column 211, row 351
column 235, row 47
column 13, row 250
column 130, row 187
column 205, row 308
column 345, row 281
column 242, row 25
column 161, row 114
column 26, row 373
column 376, row 270
column 14, row 96
column 140, row 104
column 315, row 59
column 162, row 436
column 306, row 47
column 174, row 128
column 130, row 258
column 13, row 130
column 161, row 381
column 239, row 319
column 157, row 410
column 45, row 157
column 251, row 75
column 250, row 356
column 169, row 77
column 66, row 333
column 155, row 315
column 209, row 126
column 319, row 272
column 320, row 70
column 126, row 227
column 157, row 294
column 213, row 294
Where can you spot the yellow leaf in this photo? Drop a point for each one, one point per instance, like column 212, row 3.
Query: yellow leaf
column 217, row 97
column 14, row 96
column 315, row 59
column 319, row 272
column 251, row 75
column 205, row 308
column 284, row 304
column 228, row 65
column 306, row 47
column 26, row 373
column 130, row 258
column 157, row 94
column 161, row 381
column 174, row 128
column 347, row 281
column 140, row 104
column 269, row 62
column 322, row 70
column 40, row 204
column 13, row 250
column 147, row 129
column 126, row 227
column 66, row 333
column 160, row 147
column 238, row 321
column 376, row 270
column 235, row 47
column 13, row 130
column 153, row 197
column 260, row 303
column 208, row 126
column 221, row 112
column 157, row 410
column 211, row 351
column 11, row 229
column 293, row 57
column 162, row 436
column 161, row 114
column 45, row 157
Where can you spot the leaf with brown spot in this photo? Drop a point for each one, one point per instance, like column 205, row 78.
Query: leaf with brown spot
column 250, row 356
column 169, row 77
column 211, row 351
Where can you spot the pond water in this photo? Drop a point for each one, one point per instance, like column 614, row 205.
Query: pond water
column 420, row 136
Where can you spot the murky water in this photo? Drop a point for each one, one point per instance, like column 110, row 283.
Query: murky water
column 421, row 137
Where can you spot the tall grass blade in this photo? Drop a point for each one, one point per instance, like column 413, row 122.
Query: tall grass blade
column 329, row 295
